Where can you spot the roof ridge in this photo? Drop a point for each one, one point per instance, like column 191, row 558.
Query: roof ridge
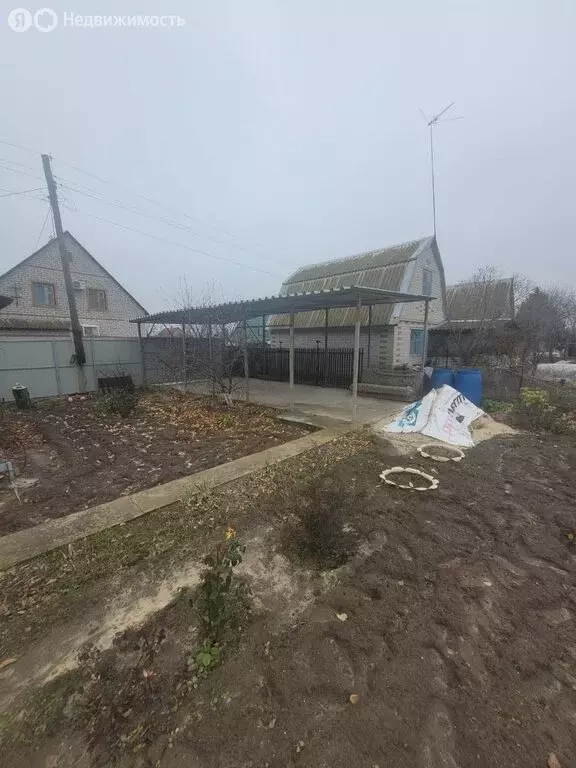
column 480, row 282
column 394, row 246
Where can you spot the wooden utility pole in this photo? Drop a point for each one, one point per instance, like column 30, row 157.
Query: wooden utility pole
column 74, row 322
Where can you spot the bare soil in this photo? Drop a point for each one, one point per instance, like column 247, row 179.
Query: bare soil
column 82, row 455
column 452, row 619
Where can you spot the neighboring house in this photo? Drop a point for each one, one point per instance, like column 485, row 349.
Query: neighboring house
column 40, row 304
column 478, row 315
column 395, row 335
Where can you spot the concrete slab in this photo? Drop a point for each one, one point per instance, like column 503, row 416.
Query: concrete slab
column 31, row 542
column 313, row 401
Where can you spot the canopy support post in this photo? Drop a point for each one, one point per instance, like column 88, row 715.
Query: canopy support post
column 369, row 333
column 246, row 367
column 425, row 343
column 142, row 358
column 184, row 372
column 291, row 360
column 356, row 359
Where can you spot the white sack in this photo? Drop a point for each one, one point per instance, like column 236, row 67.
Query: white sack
column 444, row 414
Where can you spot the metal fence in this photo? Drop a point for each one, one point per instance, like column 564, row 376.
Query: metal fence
column 45, row 365
column 327, row 368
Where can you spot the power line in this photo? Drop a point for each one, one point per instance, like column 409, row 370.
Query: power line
column 21, row 192
column 16, row 170
column 138, row 211
column 170, row 242
column 43, row 226
column 143, row 197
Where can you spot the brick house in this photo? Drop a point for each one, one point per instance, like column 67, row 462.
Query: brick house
column 40, row 304
column 392, row 333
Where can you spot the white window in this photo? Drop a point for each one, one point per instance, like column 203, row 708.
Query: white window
column 90, row 330
column 427, row 275
column 97, row 299
column 43, row 295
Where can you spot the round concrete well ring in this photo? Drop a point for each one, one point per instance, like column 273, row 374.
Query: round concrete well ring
column 424, row 450
column 433, row 481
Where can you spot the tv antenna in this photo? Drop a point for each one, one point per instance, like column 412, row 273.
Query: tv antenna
column 431, row 124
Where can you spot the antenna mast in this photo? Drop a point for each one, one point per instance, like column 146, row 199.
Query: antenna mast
column 431, row 123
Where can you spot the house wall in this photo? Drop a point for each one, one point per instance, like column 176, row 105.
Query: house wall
column 46, row 267
column 381, row 341
column 411, row 315
column 414, row 311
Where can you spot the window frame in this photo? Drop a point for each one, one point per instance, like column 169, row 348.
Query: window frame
column 90, row 335
column 43, row 283
column 93, row 291
column 427, row 274
column 416, row 333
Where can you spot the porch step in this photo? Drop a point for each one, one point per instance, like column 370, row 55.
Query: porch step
column 404, row 394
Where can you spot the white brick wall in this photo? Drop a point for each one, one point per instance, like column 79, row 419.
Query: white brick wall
column 381, row 341
column 45, row 267
column 414, row 311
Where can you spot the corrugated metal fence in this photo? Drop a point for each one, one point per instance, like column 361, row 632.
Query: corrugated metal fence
column 45, row 367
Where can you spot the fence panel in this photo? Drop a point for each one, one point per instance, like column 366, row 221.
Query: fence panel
column 331, row 368
column 46, row 367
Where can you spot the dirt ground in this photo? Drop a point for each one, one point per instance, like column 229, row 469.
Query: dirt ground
column 453, row 619
column 82, row 455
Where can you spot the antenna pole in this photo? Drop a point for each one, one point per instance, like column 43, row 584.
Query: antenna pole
column 433, row 179
column 431, row 125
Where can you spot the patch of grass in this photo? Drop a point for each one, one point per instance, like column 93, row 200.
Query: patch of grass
column 496, row 406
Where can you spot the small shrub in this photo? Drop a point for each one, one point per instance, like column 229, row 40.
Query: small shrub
column 122, row 402
column 534, row 411
column 496, row 406
column 317, row 531
column 222, row 594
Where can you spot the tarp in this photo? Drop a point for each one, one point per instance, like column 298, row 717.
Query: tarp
column 444, row 414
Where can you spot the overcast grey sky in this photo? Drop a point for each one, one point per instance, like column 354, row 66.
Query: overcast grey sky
column 290, row 131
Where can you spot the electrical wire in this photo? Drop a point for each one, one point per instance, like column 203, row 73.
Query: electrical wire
column 16, row 170
column 170, row 242
column 139, row 212
column 48, row 212
column 22, row 192
column 103, row 180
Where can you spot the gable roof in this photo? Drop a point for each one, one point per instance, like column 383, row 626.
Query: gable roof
column 71, row 239
column 477, row 302
column 384, row 268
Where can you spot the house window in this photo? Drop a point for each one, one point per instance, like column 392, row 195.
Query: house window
column 416, row 341
column 97, row 299
column 427, row 282
column 90, row 330
column 43, row 295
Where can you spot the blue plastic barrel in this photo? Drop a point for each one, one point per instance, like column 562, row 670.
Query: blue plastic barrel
column 469, row 382
column 441, row 376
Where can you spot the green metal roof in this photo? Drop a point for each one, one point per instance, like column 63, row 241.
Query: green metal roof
column 383, row 269
column 344, row 297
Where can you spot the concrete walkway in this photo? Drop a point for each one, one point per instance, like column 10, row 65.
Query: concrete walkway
column 31, row 542
column 331, row 404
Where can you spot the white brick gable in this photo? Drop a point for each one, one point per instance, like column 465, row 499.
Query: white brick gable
column 45, row 266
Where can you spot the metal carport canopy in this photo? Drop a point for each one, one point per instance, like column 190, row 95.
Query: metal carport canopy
column 236, row 311
column 241, row 311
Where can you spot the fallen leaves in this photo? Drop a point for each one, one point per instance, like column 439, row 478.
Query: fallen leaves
column 553, row 761
column 7, row 662
column 354, row 698
column 342, row 616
